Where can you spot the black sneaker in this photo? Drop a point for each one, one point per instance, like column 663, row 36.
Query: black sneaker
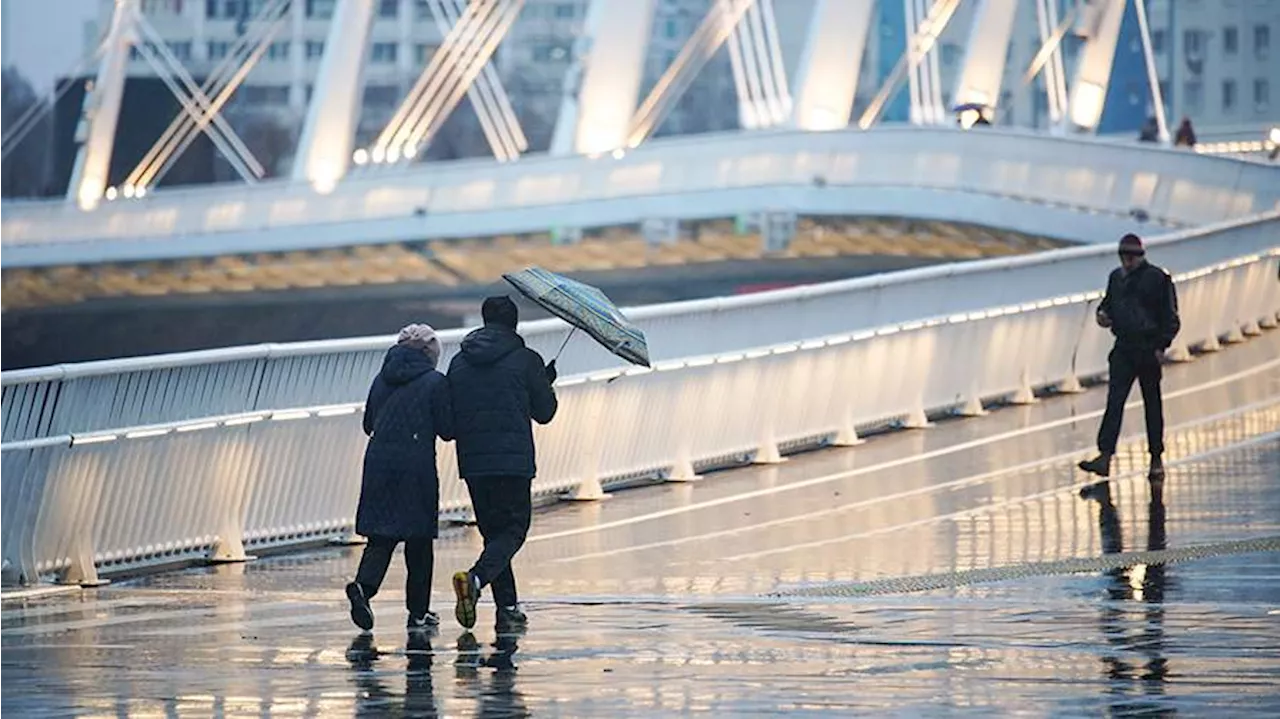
column 1156, row 471
column 511, row 620
column 1100, row 465
column 361, row 614
column 430, row 620
column 466, row 587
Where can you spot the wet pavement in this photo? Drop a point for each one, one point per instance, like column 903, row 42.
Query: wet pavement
column 962, row 569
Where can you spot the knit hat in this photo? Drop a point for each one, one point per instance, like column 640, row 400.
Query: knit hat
column 500, row 311
column 1131, row 244
column 421, row 337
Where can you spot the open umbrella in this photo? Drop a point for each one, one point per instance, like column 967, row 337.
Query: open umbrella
column 586, row 308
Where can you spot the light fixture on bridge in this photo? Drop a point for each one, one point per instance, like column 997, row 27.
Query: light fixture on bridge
column 127, row 191
column 112, row 193
column 410, row 151
column 393, row 155
column 140, row 193
column 360, row 157
column 619, row 153
column 378, row 155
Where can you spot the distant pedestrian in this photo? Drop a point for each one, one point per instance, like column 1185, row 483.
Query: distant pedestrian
column 499, row 386
column 1150, row 131
column 1186, row 135
column 407, row 409
column 1141, row 310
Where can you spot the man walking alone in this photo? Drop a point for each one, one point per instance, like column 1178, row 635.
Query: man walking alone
column 498, row 385
column 1141, row 309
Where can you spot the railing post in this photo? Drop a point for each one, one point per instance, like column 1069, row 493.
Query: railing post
column 1024, row 395
column 589, row 489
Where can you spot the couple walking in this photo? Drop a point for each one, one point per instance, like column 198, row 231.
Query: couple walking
column 494, row 387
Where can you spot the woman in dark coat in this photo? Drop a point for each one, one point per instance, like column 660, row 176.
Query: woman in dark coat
column 408, row 407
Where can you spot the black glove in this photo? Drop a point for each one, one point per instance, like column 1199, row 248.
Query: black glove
column 551, row 372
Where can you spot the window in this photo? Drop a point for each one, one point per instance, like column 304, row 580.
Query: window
column 1261, row 40
column 384, row 52
column 315, row 49
column 180, row 50
column 671, row 28
column 225, row 9
column 1193, row 95
column 320, row 9
column 1228, row 95
column 265, row 94
column 565, row 10
column 1230, row 41
column 388, row 8
column 217, row 49
column 278, row 51
column 951, row 53
column 381, row 95
column 422, row 53
column 161, row 7
column 549, row 52
column 1261, row 94
column 421, row 10
column 1191, row 43
column 1157, row 42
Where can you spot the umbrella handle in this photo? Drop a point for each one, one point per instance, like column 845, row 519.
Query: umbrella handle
column 566, row 341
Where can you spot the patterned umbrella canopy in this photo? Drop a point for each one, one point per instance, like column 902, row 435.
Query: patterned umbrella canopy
column 584, row 307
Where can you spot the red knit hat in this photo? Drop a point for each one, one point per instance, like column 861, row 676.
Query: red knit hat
column 1131, row 244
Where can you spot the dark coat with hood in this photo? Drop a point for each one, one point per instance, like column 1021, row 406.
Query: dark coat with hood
column 408, row 407
column 498, row 385
column 1143, row 307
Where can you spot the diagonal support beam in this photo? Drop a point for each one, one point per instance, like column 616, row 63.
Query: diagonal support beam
column 470, row 61
column 221, row 84
column 96, row 130
column 1093, row 71
column 497, row 117
column 756, row 58
column 926, row 36
column 982, row 74
column 603, row 81
column 328, row 134
column 827, row 78
column 196, row 103
column 714, row 30
column 450, row 72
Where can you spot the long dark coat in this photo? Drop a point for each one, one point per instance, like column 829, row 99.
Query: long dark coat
column 408, row 407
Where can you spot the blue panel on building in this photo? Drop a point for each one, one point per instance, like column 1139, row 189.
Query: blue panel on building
column 1128, row 95
column 893, row 43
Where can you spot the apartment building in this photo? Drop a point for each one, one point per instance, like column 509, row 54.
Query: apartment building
column 1218, row 61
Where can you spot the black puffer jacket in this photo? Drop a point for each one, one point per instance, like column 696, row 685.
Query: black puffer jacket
column 498, row 385
column 408, row 407
column 1143, row 307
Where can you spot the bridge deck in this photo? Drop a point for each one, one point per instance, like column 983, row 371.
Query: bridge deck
column 653, row 602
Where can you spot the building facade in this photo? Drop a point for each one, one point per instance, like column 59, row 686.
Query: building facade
column 1218, row 61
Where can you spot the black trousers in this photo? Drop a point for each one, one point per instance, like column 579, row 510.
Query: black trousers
column 419, row 558
column 503, row 510
column 1128, row 363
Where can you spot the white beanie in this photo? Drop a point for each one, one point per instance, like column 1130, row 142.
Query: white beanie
column 421, row 337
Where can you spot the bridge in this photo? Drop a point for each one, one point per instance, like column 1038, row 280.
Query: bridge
column 806, row 480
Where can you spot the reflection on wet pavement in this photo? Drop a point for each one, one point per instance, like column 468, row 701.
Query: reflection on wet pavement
column 927, row 560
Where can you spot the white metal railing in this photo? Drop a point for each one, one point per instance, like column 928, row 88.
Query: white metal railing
column 82, row 503
column 149, row 390
column 1001, row 178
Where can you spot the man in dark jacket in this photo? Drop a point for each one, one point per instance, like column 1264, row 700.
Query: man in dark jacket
column 498, row 385
column 408, row 407
column 1141, row 309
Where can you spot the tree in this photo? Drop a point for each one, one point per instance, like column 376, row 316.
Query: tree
column 28, row 138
